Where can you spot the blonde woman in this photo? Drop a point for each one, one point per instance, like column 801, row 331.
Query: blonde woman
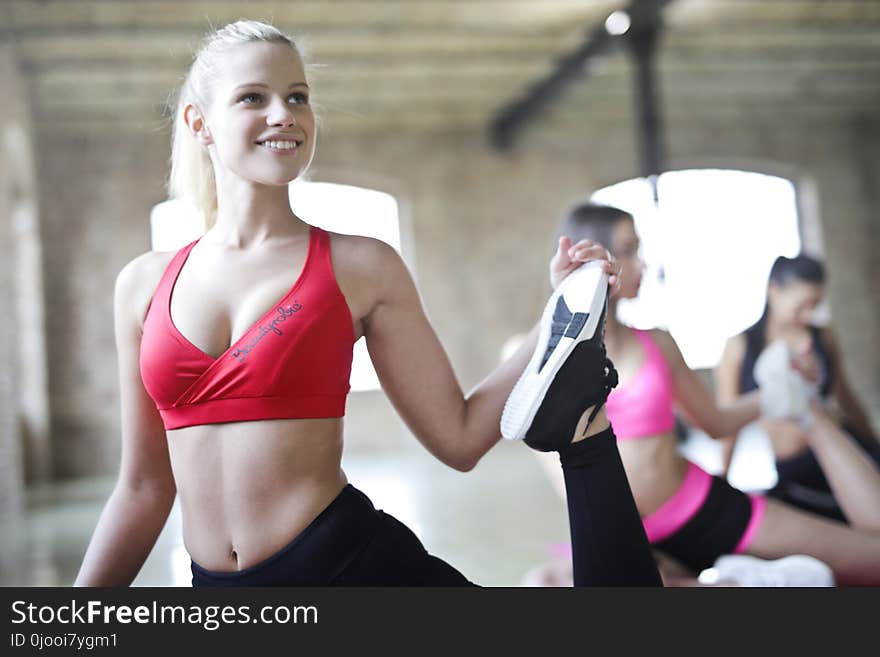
column 235, row 354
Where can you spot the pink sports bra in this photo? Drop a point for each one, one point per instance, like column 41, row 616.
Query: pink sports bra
column 643, row 407
column 293, row 362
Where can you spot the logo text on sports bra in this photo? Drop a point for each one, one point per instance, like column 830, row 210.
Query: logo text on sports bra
column 272, row 327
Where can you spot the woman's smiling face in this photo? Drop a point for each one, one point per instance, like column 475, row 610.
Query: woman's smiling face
column 260, row 124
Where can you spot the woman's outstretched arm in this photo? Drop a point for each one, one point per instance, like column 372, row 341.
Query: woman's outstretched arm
column 696, row 401
column 415, row 371
column 726, row 379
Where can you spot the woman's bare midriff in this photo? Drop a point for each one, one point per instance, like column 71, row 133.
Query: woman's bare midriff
column 247, row 489
column 655, row 469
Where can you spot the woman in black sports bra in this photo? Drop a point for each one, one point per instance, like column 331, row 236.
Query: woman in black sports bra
column 795, row 289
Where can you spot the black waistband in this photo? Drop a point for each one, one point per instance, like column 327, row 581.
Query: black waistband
column 715, row 529
column 317, row 554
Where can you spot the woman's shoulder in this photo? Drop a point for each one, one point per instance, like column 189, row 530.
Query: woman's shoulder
column 665, row 345
column 369, row 271
column 736, row 343
column 359, row 245
column 361, row 254
column 660, row 337
column 143, row 269
column 138, row 279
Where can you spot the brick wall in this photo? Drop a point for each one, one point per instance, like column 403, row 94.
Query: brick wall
column 480, row 229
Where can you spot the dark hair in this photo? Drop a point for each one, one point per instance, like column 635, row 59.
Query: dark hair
column 802, row 268
column 593, row 221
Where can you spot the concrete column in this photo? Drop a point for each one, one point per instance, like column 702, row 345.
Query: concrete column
column 25, row 453
column 11, row 462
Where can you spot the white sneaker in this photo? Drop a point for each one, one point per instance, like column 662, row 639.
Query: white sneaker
column 798, row 570
column 569, row 371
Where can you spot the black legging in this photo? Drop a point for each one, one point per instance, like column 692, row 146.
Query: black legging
column 351, row 543
column 608, row 542
column 802, row 483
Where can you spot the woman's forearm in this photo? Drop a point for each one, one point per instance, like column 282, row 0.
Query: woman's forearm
column 124, row 536
column 485, row 403
column 734, row 416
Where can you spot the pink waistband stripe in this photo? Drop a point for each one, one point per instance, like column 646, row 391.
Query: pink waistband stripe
column 681, row 507
column 759, row 506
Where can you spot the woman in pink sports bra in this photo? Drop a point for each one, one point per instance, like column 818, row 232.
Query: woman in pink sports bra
column 688, row 515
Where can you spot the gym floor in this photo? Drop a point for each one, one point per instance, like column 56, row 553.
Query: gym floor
column 493, row 524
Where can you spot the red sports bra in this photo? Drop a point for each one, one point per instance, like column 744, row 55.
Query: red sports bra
column 294, row 362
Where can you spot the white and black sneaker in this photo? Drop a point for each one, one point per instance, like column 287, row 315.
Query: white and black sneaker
column 569, row 371
column 794, row 570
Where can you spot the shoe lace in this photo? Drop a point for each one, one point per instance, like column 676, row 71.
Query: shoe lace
column 609, row 382
column 611, row 378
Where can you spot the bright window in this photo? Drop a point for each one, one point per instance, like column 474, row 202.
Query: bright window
column 338, row 208
column 708, row 249
column 354, row 211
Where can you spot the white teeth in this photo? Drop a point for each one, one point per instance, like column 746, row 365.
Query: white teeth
column 280, row 145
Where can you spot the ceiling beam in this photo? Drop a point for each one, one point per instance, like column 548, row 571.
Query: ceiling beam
column 54, row 16
column 498, row 15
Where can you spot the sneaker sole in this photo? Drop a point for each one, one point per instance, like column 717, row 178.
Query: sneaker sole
column 584, row 292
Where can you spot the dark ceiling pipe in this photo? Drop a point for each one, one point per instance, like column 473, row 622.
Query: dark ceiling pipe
column 643, row 45
column 642, row 37
column 511, row 118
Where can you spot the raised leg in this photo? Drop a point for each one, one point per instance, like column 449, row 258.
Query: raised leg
column 851, row 473
column 609, row 545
